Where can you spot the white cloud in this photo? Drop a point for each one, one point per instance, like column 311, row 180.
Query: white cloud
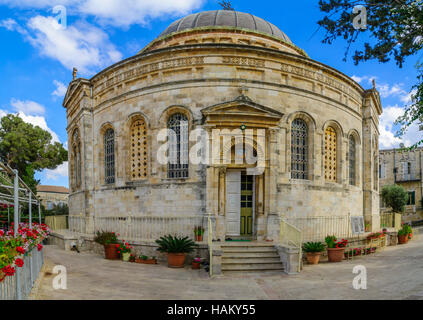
column 27, row 106
column 60, row 172
column 82, row 45
column 387, row 138
column 407, row 98
column 116, row 12
column 41, row 122
column 60, row 89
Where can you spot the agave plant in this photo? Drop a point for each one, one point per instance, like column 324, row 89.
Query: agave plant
column 313, row 247
column 175, row 244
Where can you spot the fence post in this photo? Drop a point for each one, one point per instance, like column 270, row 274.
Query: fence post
column 30, row 210
column 15, row 229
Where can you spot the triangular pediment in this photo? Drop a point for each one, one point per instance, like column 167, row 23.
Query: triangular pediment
column 242, row 106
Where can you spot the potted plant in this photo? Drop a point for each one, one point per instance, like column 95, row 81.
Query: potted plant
column 313, row 251
column 176, row 249
column 196, row 263
column 403, row 236
column 132, row 258
column 335, row 249
column 124, row 249
column 144, row 259
column 199, row 232
column 109, row 240
column 409, row 230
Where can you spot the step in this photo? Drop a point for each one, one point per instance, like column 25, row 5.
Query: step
column 252, row 266
column 226, row 261
column 249, row 254
column 246, row 244
column 248, row 249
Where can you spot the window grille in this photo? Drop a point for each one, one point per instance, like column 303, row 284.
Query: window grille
column 109, row 156
column 178, row 146
column 299, row 149
column 330, row 154
column 139, row 150
column 352, row 156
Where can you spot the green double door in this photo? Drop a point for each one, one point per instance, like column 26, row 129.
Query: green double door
column 247, row 200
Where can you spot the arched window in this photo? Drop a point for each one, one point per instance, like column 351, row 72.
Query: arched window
column 109, row 156
column 139, row 149
column 330, row 154
column 178, row 146
column 299, row 149
column 352, row 156
column 76, row 154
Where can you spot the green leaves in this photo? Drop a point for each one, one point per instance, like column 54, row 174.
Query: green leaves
column 395, row 196
column 28, row 148
column 313, row 247
column 175, row 244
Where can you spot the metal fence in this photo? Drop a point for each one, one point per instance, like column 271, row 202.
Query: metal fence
column 317, row 228
column 57, row 222
column 147, row 228
column 13, row 288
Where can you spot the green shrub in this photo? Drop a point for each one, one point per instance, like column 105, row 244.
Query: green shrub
column 105, row 237
column 175, row 244
column 395, row 197
column 330, row 241
column 313, row 247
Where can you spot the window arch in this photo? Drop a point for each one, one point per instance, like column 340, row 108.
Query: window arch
column 299, row 149
column 139, row 149
column 330, row 154
column 109, row 156
column 352, row 160
column 178, row 146
column 76, row 155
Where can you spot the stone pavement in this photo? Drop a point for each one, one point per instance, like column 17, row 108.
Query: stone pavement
column 395, row 273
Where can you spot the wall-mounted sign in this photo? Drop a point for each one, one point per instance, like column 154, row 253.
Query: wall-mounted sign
column 357, row 225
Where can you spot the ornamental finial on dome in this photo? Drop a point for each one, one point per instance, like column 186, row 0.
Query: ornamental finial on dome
column 226, row 5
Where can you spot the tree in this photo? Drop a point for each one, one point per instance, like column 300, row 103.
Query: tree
column 395, row 197
column 396, row 30
column 28, row 148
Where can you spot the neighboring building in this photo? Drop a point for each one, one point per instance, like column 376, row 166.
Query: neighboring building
column 403, row 167
column 315, row 128
column 52, row 195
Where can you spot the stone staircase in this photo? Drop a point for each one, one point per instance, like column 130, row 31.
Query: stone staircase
column 250, row 257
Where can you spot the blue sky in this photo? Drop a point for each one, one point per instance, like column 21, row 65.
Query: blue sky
column 37, row 57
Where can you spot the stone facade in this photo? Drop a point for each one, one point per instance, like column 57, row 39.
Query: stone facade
column 223, row 78
column 403, row 167
column 52, row 195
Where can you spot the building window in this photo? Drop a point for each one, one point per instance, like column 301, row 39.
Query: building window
column 109, row 156
column 178, row 146
column 352, row 156
column 76, row 154
column 330, row 154
column 299, row 149
column 411, row 198
column 139, row 149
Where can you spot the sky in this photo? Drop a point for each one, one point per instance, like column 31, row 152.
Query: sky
column 38, row 54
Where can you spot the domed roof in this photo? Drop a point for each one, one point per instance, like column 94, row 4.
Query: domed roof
column 225, row 18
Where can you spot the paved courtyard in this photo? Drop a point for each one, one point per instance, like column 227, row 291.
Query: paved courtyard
column 395, row 273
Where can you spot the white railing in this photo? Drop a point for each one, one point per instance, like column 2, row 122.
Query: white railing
column 210, row 243
column 141, row 228
column 291, row 236
column 317, row 228
column 9, row 288
column 77, row 223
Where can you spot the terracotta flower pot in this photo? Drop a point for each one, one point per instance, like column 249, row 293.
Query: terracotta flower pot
column 176, row 260
column 199, row 238
column 335, row 254
column 146, row 261
column 313, row 257
column 403, row 239
column 111, row 251
column 196, row 265
column 2, row 276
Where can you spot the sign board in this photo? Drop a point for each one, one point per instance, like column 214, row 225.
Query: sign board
column 357, row 224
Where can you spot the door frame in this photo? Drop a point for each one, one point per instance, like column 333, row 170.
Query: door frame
column 253, row 226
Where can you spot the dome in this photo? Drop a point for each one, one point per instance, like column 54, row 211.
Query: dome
column 225, row 18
